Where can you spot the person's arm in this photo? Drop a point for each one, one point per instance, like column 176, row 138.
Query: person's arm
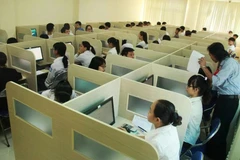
column 202, row 62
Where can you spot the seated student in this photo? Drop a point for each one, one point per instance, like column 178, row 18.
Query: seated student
column 128, row 25
column 182, row 30
column 194, row 31
column 164, row 138
column 145, row 23
column 231, row 47
column 59, row 65
column 143, row 39
column 204, row 29
column 128, row 52
column 98, row 63
column 65, row 31
column 177, row 33
column 148, row 23
column 124, row 41
column 6, row 74
column 199, row 93
column 164, row 23
column 235, row 36
column 155, row 41
column 163, row 28
column 89, row 28
column 85, row 54
column 132, row 24
column 139, row 46
column 113, row 43
column 188, row 33
column 107, row 25
column 102, row 27
column 50, row 29
column 230, row 33
column 140, row 24
column 44, row 36
column 67, row 26
column 159, row 23
column 62, row 92
column 166, row 38
column 78, row 26
column 12, row 40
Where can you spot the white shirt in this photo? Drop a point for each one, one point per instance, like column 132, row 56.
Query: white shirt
column 231, row 49
column 84, row 58
column 113, row 51
column 193, row 128
column 143, row 44
column 50, row 94
column 165, row 140
column 49, row 36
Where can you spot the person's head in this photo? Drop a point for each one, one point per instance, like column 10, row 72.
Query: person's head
column 164, row 23
column 124, row 41
column 149, row 23
column 113, row 42
column 200, row 71
column 231, row 41
column 140, row 24
column 128, row 25
column 163, row 28
column 128, row 52
column 67, row 26
column 194, row 31
column 65, row 30
column 86, row 46
column 155, row 41
column 101, row 27
column 12, row 40
column 182, row 28
column 98, row 63
column 159, row 23
column 166, row 37
column 50, row 27
column 230, row 32
column 89, row 28
column 143, row 37
column 198, row 86
column 107, row 25
column 132, row 24
column 163, row 113
column 217, row 52
column 235, row 36
column 77, row 25
column 145, row 23
column 63, row 92
column 139, row 46
column 44, row 36
column 3, row 59
column 59, row 49
column 204, row 29
column 188, row 33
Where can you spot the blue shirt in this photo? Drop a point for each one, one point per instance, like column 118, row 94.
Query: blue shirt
column 81, row 29
column 227, row 80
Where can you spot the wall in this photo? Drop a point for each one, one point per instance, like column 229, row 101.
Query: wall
column 192, row 13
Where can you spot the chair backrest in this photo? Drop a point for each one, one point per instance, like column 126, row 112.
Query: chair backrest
column 60, row 76
column 215, row 125
column 197, row 156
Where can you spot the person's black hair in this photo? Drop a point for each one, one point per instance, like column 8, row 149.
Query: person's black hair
column 139, row 46
column 149, row 23
column 217, row 50
column 194, row 31
column 50, row 27
column 128, row 25
column 88, row 26
column 87, row 45
column 144, row 35
column 96, row 62
column 3, row 59
column 156, row 42
column 67, row 26
column 63, row 30
column 115, row 43
column 230, row 32
column 44, row 36
column 124, row 41
column 166, row 37
column 61, row 48
column 12, row 40
column 164, row 23
column 165, row 110
column 108, row 24
column 78, row 22
column 132, row 24
column 200, row 71
column 102, row 27
column 204, row 29
column 178, row 29
column 158, row 23
column 145, row 23
column 126, row 50
column 231, row 39
column 235, row 35
column 182, row 28
column 188, row 33
column 163, row 28
column 63, row 92
column 199, row 82
column 140, row 24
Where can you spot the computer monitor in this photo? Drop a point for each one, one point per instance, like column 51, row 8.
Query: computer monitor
column 103, row 112
column 104, row 44
column 149, row 80
column 69, row 43
column 37, row 52
column 34, row 32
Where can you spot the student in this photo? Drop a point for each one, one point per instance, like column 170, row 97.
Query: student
column 89, row 28
column 164, row 23
column 44, row 36
column 198, row 91
column 140, row 24
column 163, row 28
column 194, row 31
column 85, row 54
column 128, row 26
column 67, row 26
column 50, row 29
column 78, row 26
column 188, row 33
column 132, row 24
column 143, row 39
column 231, row 47
column 101, row 27
column 204, row 29
column 148, row 23
column 59, row 66
column 235, row 36
column 145, row 23
column 62, row 93
column 182, row 30
column 230, row 33
column 166, row 38
column 107, row 25
column 6, row 74
column 159, row 23
column 164, row 138
column 226, row 82
column 12, row 40
column 177, row 33
column 156, row 42
column 65, row 31
column 128, row 52
column 98, row 63
column 113, row 43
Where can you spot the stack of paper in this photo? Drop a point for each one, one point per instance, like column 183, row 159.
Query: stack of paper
column 193, row 65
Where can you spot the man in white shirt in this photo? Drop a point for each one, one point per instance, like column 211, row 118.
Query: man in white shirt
column 231, row 47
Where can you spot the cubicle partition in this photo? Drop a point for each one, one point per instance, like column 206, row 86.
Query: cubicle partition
column 183, row 40
column 21, row 32
column 3, row 36
column 30, row 38
column 162, row 48
column 3, row 48
column 59, row 34
column 175, row 44
column 148, row 55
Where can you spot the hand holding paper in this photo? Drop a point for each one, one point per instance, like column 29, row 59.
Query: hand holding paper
column 193, row 64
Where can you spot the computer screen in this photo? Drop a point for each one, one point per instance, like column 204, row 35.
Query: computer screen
column 69, row 43
column 37, row 52
column 104, row 44
column 34, row 32
column 149, row 80
column 103, row 112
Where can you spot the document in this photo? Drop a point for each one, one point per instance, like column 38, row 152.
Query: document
column 193, row 65
column 142, row 123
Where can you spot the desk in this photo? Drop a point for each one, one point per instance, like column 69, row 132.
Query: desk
column 43, row 71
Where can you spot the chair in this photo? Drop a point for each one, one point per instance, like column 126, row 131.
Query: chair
column 197, row 156
column 200, row 145
column 207, row 117
column 3, row 116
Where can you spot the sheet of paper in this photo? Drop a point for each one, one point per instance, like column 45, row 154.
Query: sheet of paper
column 142, row 122
column 193, row 65
column 39, row 72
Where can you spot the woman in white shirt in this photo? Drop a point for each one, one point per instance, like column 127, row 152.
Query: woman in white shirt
column 98, row 63
column 143, row 40
column 113, row 43
column 85, row 54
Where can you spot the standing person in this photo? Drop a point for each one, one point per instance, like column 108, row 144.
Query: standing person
column 226, row 81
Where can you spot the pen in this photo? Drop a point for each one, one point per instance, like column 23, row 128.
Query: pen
column 142, row 129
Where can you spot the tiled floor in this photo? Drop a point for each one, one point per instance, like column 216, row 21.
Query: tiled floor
column 6, row 153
